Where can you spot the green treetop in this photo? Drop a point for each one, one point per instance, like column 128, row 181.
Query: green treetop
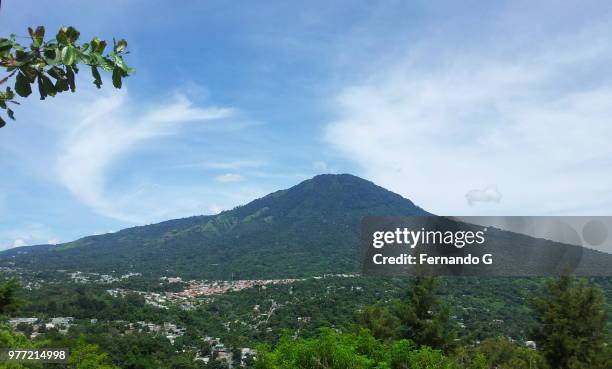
column 572, row 329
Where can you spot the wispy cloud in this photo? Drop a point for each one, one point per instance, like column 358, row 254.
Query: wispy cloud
column 110, row 129
column 229, row 177
column 19, row 242
column 537, row 124
column 322, row 167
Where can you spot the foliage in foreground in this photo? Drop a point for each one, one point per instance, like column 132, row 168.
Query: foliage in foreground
column 53, row 64
column 572, row 335
column 357, row 351
column 385, row 339
column 572, row 319
column 82, row 355
column 8, row 300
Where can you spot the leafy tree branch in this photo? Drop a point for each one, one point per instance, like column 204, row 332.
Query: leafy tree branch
column 51, row 65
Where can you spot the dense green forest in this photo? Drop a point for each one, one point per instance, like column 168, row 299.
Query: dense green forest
column 372, row 322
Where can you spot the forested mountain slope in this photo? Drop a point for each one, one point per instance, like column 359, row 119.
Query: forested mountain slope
column 308, row 229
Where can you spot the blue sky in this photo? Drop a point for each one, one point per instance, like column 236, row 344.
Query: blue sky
column 468, row 108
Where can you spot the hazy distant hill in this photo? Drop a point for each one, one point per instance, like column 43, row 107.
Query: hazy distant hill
column 311, row 228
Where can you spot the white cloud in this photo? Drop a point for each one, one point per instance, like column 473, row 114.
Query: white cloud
column 487, row 194
column 535, row 121
column 53, row 241
column 109, row 128
column 229, row 177
column 19, row 242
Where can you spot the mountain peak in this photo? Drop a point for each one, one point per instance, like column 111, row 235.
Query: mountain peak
column 336, row 194
column 340, row 177
column 343, row 179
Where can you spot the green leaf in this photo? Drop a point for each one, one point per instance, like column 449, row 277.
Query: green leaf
column 107, row 64
column 72, row 34
column 57, row 73
column 68, row 55
column 121, row 64
column 100, row 61
column 2, row 122
column 61, row 36
column 5, row 47
column 22, row 57
column 41, row 88
column 37, row 35
column 9, row 93
column 98, row 46
column 61, row 85
column 70, row 78
column 52, row 56
column 48, row 85
column 117, row 74
column 49, row 53
column 96, row 75
column 120, row 46
column 22, row 85
column 10, row 113
column 29, row 72
column 18, row 47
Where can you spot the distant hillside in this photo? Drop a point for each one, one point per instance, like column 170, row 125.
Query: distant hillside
column 311, row 228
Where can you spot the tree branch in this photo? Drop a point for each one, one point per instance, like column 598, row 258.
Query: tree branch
column 3, row 80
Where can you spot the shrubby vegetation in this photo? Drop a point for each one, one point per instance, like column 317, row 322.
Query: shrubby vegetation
column 412, row 325
column 355, row 351
column 572, row 334
column 362, row 350
column 572, row 319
